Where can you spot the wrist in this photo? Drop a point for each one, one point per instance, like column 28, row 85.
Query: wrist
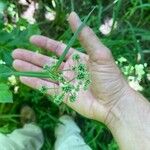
column 129, row 121
column 132, row 105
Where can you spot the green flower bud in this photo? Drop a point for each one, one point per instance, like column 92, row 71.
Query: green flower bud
column 58, row 99
column 75, row 57
column 67, row 87
column 86, row 84
column 81, row 75
column 77, row 88
column 82, row 67
column 72, row 98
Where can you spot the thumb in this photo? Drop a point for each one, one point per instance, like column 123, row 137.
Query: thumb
column 95, row 49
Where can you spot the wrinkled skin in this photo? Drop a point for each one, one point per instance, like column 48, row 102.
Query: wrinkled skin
column 108, row 85
column 109, row 99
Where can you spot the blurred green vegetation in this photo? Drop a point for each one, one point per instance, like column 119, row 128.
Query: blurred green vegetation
column 129, row 41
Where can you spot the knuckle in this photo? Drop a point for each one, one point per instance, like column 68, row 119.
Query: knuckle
column 58, row 47
column 46, row 43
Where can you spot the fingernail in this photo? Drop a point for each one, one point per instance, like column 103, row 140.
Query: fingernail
column 33, row 38
column 13, row 53
column 78, row 19
column 75, row 17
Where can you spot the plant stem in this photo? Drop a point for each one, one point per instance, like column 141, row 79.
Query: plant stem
column 30, row 74
column 72, row 40
column 66, row 70
column 72, row 5
column 72, row 79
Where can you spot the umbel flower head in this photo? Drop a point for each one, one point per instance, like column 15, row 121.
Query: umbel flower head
column 69, row 88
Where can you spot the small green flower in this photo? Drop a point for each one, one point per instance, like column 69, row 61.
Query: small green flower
column 67, row 87
column 72, row 98
column 76, row 57
column 58, row 99
column 77, row 88
column 81, row 75
column 86, row 84
column 82, row 67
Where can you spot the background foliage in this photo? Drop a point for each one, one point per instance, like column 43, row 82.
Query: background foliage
column 129, row 41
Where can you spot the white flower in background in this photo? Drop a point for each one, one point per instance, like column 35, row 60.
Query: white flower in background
column 139, row 70
column 148, row 77
column 2, row 62
column 16, row 88
column 106, row 27
column 122, row 59
column 22, row 28
column 134, row 83
column 12, row 12
column 50, row 15
column 23, row 2
column 29, row 13
column 12, row 80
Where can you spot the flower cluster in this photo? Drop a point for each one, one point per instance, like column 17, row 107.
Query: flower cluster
column 69, row 88
column 81, row 72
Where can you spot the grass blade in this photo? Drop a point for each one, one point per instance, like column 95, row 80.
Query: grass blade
column 74, row 37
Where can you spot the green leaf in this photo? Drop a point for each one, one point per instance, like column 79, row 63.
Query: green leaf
column 5, row 94
column 3, row 86
column 6, row 56
column 4, row 71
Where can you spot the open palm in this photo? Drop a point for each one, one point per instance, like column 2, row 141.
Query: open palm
column 107, row 85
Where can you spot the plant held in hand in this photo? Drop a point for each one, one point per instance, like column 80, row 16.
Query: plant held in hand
column 68, row 87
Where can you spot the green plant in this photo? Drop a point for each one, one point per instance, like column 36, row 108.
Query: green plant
column 126, row 41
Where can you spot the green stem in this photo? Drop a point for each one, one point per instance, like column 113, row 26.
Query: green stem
column 71, row 80
column 9, row 116
column 30, row 74
column 66, row 70
column 72, row 40
column 72, row 5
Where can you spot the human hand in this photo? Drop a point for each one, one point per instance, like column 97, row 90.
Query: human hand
column 107, row 87
column 109, row 98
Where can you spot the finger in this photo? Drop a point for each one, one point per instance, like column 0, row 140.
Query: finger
column 34, row 58
column 95, row 49
column 52, row 45
column 37, row 83
column 25, row 66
